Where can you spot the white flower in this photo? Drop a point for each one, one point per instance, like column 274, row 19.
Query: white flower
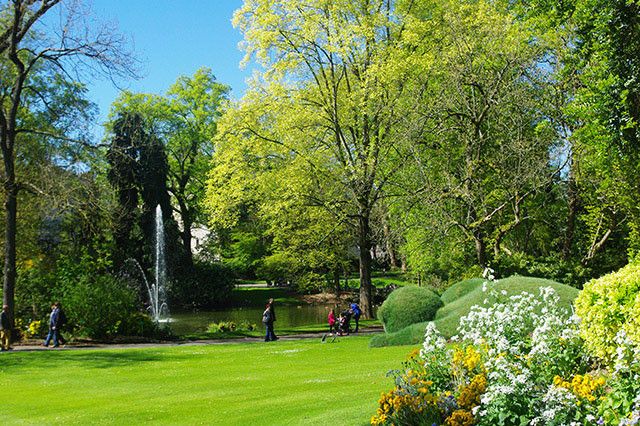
column 433, row 340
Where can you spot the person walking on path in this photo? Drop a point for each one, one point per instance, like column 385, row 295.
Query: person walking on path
column 355, row 309
column 62, row 320
column 273, row 314
column 331, row 318
column 54, row 324
column 267, row 320
column 5, row 329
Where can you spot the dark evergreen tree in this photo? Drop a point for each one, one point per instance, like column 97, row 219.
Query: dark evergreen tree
column 124, row 172
column 154, row 169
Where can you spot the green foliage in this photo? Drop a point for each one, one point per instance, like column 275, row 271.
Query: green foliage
column 406, row 306
column 206, row 285
column 98, row 305
column 138, row 324
column 570, row 272
column 230, row 327
column 138, row 171
column 608, row 305
column 243, row 251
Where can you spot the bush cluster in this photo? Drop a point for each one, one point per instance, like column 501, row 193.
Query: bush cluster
column 97, row 304
column 406, row 306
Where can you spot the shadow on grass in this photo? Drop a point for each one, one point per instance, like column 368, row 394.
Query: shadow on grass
column 85, row 358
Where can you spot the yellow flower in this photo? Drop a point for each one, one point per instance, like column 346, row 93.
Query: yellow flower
column 460, row 418
column 581, row 386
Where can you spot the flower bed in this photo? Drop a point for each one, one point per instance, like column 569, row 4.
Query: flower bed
column 519, row 361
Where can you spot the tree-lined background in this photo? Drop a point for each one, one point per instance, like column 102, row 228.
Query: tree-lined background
column 430, row 138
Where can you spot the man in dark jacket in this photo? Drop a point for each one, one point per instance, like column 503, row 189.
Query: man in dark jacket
column 355, row 310
column 54, row 327
column 5, row 329
column 273, row 315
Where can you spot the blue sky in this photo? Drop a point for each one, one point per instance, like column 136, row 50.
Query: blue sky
column 173, row 38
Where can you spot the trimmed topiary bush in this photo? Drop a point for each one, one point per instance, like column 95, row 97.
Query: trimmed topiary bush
column 460, row 289
column 406, row 306
column 608, row 305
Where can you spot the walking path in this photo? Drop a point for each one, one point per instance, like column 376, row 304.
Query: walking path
column 240, row 340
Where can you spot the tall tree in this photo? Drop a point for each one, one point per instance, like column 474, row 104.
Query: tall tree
column 26, row 52
column 489, row 151
column 128, row 136
column 138, row 171
column 185, row 122
column 334, row 95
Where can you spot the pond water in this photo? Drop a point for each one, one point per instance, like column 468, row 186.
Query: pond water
column 287, row 316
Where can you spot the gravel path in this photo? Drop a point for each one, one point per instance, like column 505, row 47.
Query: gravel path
column 83, row 345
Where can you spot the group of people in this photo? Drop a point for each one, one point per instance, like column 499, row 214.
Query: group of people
column 57, row 320
column 342, row 325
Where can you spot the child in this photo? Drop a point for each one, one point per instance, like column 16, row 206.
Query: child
column 343, row 324
column 332, row 321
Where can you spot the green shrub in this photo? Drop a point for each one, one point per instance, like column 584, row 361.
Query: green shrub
column 608, row 305
column 230, row 327
column 138, row 324
column 406, row 306
column 98, row 305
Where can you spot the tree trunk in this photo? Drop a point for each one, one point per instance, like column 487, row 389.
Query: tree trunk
column 11, row 209
column 336, row 280
column 365, row 265
column 481, row 248
column 186, row 241
column 393, row 259
column 572, row 194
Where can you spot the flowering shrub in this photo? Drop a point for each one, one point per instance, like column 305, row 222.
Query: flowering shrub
column 518, row 361
column 411, row 401
column 35, row 329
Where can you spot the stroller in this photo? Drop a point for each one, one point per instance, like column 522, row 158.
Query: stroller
column 344, row 322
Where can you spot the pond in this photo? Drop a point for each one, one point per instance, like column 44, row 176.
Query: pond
column 287, row 316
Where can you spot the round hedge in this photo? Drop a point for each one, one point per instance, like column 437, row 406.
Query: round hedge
column 406, row 306
column 607, row 305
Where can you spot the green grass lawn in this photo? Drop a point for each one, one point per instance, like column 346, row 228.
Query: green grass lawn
column 295, row 382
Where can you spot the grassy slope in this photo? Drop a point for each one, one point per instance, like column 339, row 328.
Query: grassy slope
column 462, row 296
column 296, row 382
